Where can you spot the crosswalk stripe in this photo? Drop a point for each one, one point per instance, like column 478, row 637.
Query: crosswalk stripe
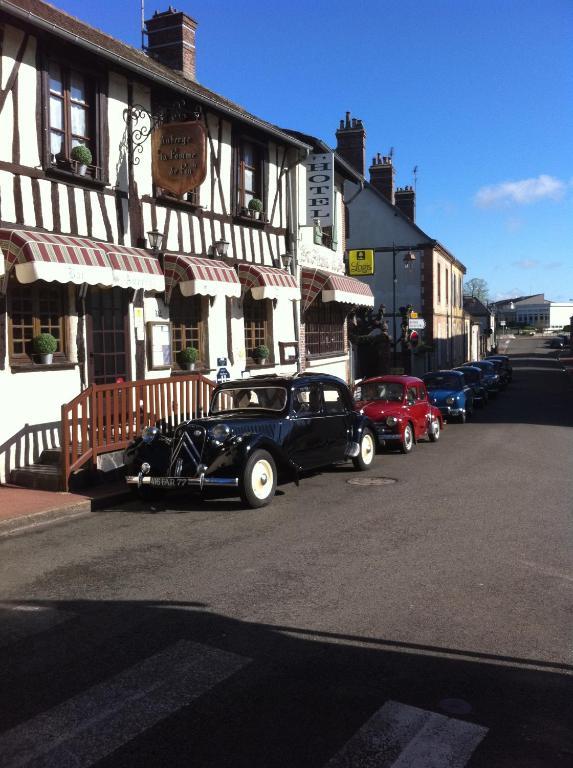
column 400, row 736
column 91, row 725
column 19, row 621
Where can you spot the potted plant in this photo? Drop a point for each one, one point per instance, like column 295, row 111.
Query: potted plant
column 44, row 345
column 255, row 207
column 188, row 358
column 82, row 156
column 260, row 353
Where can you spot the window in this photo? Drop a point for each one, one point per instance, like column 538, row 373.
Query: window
column 333, row 401
column 446, row 273
column 72, row 117
column 324, row 328
column 187, row 326
column 257, row 325
column 249, row 174
column 33, row 309
column 439, row 282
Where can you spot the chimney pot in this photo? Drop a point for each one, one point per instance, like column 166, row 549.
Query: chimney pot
column 171, row 40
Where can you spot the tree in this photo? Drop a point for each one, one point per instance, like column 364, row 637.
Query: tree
column 477, row 289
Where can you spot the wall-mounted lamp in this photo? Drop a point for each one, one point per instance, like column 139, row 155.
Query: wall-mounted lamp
column 409, row 259
column 286, row 261
column 220, row 248
column 155, row 239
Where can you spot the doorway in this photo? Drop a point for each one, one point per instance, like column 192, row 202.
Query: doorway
column 107, row 335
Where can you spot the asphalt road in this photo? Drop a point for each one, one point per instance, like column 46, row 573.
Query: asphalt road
column 422, row 622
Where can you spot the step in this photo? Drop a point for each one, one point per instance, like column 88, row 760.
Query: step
column 42, row 477
column 50, row 456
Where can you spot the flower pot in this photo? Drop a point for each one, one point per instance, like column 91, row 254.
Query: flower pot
column 82, row 170
column 259, row 360
column 189, row 366
column 46, row 359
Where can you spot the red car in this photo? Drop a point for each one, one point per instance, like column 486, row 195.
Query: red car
column 400, row 410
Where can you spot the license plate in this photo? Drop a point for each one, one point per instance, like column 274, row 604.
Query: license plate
column 168, row 482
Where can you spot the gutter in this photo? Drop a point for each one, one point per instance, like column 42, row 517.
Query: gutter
column 139, row 69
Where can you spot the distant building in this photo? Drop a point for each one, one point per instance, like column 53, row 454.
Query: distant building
column 484, row 318
column 534, row 310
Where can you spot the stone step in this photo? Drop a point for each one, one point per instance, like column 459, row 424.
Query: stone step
column 42, row 477
column 50, row 456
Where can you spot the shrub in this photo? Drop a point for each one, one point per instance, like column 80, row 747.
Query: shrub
column 255, row 205
column 81, row 154
column 261, row 352
column 44, row 344
column 189, row 355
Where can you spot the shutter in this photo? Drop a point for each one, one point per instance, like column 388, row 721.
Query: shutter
column 334, row 240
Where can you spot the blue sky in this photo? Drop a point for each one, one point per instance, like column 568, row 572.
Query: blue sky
column 476, row 93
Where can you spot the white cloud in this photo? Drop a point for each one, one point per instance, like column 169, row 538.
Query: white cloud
column 526, row 264
column 521, row 192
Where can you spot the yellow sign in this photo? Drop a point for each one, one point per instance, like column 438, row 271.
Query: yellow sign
column 361, row 262
column 413, row 315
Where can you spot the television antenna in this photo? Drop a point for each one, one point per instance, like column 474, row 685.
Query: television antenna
column 415, row 172
column 391, row 153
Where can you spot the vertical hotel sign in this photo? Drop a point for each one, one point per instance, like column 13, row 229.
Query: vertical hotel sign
column 179, row 156
column 320, row 189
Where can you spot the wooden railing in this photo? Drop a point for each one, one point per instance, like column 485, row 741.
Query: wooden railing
column 107, row 417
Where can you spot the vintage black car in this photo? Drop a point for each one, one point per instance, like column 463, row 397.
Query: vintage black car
column 256, row 427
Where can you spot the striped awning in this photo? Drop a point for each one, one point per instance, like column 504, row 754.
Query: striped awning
column 134, row 268
column 268, row 282
column 195, row 275
column 68, row 259
column 333, row 287
column 63, row 258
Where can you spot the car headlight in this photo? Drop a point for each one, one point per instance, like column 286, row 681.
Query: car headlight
column 391, row 421
column 450, row 400
column 220, row 432
column 148, row 434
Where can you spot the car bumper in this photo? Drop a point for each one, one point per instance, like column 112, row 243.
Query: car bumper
column 446, row 411
column 182, row 482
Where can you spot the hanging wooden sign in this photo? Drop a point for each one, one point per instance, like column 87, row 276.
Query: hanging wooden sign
column 179, row 153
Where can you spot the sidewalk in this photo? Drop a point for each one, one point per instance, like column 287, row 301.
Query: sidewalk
column 22, row 508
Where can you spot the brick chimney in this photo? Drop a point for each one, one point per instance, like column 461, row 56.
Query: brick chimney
column 382, row 176
column 171, row 40
column 405, row 200
column 351, row 143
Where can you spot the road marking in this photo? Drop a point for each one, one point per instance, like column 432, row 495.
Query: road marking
column 400, row 736
column 95, row 723
column 20, row 620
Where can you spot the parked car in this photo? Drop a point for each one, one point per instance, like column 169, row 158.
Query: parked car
column 256, row 428
column 491, row 376
column 506, row 362
column 400, row 410
column 556, row 343
column 475, row 379
column 501, row 371
column 449, row 391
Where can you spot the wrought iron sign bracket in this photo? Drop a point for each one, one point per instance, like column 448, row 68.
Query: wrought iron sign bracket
column 141, row 122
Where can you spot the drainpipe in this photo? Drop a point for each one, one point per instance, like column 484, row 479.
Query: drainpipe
column 292, row 242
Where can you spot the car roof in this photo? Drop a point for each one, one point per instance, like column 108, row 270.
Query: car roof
column 465, row 366
column 445, row 370
column 392, row 379
column 272, row 380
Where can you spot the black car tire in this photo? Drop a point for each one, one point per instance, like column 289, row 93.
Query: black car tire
column 258, row 481
column 434, row 431
column 462, row 417
column 407, row 441
column 367, row 452
column 146, row 493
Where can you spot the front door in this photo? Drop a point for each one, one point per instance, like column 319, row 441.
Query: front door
column 107, row 335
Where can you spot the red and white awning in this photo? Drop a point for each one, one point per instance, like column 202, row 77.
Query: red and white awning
column 333, row 287
column 134, row 268
column 68, row 259
column 268, row 282
column 194, row 275
column 63, row 258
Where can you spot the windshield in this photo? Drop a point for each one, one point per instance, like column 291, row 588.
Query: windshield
column 380, row 390
column 247, row 398
column 470, row 375
column 442, row 381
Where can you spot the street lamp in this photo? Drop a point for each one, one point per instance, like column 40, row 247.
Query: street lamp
column 408, row 261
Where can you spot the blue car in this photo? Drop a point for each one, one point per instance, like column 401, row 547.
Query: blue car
column 491, row 376
column 449, row 392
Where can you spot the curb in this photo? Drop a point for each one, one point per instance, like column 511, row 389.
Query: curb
column 34, row 519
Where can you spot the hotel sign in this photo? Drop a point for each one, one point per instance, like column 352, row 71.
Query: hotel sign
column 320, row 189
column 179, row 156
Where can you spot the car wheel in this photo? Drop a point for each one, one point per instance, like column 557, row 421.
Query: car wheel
column 462, row 417
column 407, row 442
column 258, row 481
column 434, row 431
column 146, row 493
column 367, row 451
